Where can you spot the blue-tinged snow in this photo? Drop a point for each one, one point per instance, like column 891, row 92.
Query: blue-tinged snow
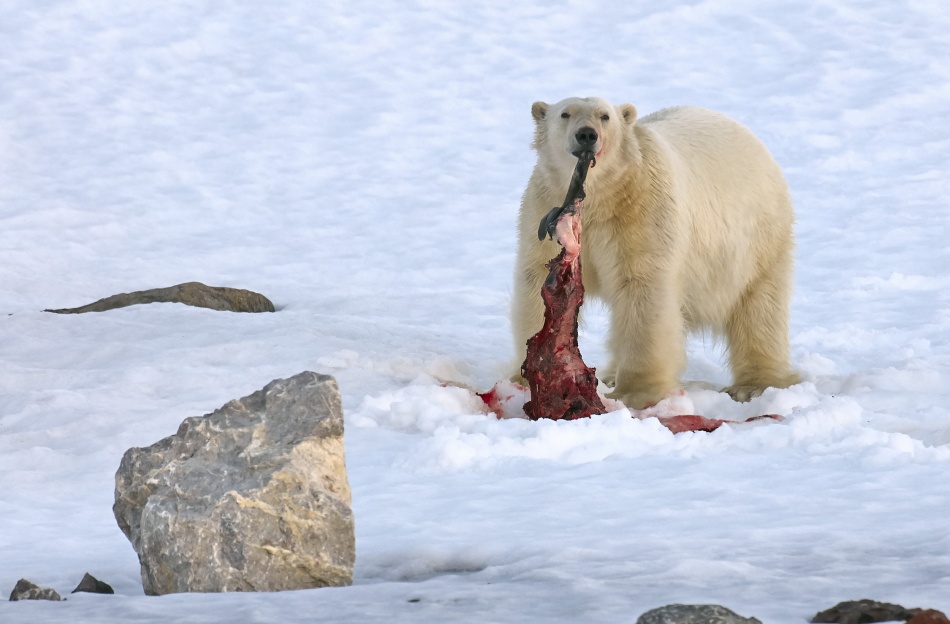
column 361, row 164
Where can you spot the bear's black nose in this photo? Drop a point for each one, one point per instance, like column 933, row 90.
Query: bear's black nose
column 586, row 137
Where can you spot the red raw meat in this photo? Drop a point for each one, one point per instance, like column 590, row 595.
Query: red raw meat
column 691, row 422
column 562, row 386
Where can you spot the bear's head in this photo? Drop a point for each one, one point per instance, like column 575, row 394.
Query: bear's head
column 581, row 124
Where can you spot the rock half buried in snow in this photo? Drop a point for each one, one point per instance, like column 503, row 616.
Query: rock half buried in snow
column 92, row 585
column 190, row 293
column 252, row 497
column 929, row 616
column 863, row 612
column 25, row 590
column 693, row 614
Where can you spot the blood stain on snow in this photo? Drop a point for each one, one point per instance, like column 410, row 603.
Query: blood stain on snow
column 507, row 399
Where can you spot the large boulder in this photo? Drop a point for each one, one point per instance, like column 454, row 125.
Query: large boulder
column 252, row 497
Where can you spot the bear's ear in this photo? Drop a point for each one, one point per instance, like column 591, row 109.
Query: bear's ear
column 539, row 110
column 629, row 112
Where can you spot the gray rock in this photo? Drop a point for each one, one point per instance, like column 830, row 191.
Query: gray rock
column 252, row 497
column 25, row 590
column 190, row 293
column 92, row 585
column 864, row 612
column 694, row 614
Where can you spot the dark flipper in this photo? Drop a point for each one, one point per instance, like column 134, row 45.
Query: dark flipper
column 585, row 160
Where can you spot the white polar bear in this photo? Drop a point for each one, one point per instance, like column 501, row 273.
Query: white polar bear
column 687, row 225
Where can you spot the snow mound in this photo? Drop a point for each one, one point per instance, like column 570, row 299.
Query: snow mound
column 453, row 432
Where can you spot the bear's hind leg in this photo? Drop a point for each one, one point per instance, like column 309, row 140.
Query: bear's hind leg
column 757, row 332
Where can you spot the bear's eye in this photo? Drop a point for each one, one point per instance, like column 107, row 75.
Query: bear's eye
column 605, row 117
column 565, row 115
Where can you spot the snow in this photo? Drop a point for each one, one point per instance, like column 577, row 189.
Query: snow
column 361, row 164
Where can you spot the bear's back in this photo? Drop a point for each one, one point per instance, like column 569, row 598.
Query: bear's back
column 717, row 158
column 736, row 199
column 696, row 130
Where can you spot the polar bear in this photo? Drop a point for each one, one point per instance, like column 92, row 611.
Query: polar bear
column 687, row 225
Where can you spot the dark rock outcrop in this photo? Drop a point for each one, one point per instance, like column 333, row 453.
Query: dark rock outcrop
column 92, row 585
column 929, row 616
column 864, row 612
column 25, row 590
column 190, row 293
column 694, row 614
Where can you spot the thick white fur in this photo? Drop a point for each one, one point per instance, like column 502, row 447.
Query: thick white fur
column 687, row 225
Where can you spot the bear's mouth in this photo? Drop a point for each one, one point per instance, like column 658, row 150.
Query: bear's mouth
column 586, row 154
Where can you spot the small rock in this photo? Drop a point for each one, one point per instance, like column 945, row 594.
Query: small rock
column 25, row 590
column 190, row 293
column 253, row 497
column 929, row 616
column 864, row 612
column 694, row 614
column 92, row 585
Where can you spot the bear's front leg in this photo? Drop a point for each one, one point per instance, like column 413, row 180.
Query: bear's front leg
column 647, row 343
column 527, row 306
